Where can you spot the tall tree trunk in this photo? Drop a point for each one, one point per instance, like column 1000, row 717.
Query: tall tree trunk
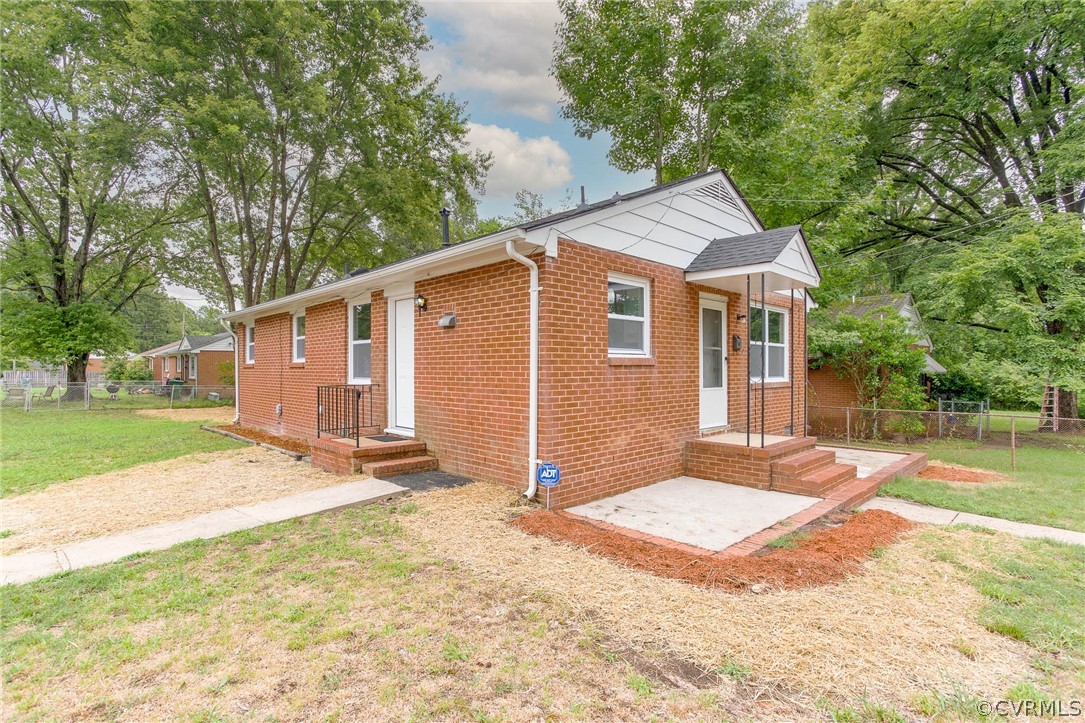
column 1067, row 406
column 77, row 378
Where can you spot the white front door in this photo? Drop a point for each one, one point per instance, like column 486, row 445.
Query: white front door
column 713, row 351
column 403, row 364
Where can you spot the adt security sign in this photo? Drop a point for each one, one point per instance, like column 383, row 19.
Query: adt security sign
column 548, row 474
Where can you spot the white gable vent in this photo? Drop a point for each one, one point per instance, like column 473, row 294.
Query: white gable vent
column 718, row 192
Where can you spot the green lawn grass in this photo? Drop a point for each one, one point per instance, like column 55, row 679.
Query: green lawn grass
column 41, row 448
column 1048, row 487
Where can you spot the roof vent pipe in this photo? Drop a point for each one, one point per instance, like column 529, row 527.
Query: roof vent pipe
column 445, row 213
column 583, row 198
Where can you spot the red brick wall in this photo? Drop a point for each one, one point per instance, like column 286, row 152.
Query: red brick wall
column 610, row 424
column 829, row 390
column 471, row 381
column 208, row 373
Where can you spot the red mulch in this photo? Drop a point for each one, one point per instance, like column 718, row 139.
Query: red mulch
column 826, row 556
column 954, row 473
column 293, row 444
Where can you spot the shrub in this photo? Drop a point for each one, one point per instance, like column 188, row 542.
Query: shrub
column 226, row 373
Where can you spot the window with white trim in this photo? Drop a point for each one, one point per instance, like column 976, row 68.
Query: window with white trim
column 771, row 337
column 250, row 344
column 165, row 365
column 628, row 316
column 192, row 366
column 299, row 337
column 361, row 344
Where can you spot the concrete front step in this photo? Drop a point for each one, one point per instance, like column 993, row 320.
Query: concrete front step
column 391, row 467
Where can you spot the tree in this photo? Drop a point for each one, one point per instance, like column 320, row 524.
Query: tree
column 307, row 135
column 680, row 86
column 1022, row 283
column 84, row 209
column 156, row 319
column 874, row 352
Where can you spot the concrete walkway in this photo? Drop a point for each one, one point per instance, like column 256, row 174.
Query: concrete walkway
column 27, row 566
column 938, row 516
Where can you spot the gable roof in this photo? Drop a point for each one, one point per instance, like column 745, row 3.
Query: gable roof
column 753, row 248
column 190, row 342
column 670, row 224
column 164, row 349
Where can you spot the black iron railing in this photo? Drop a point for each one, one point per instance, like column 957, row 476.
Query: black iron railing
column 343, row 411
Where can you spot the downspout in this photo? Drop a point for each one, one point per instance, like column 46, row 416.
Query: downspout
column 533, row 401
column 237, row 370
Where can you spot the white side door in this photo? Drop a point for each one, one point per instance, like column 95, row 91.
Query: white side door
column 713, row 355
column 403, row 352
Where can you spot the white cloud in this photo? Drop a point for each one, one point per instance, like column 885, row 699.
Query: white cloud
column 504, row 49
column 538, row 164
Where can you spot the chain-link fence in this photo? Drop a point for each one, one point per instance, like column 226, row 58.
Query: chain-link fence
column 974, row 426
column 112, row 395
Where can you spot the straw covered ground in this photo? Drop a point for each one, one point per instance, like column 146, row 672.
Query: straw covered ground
column 148, row 494
column 904, row 626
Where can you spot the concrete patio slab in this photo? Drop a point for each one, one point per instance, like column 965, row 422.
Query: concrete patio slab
column 938, row 516
column 706, row 514
column 866, row 461
column 28, row 566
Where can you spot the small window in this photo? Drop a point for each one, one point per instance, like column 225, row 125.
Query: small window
column 192, row 366
column 360, row 371
column 250, row 344
column 166, row 364
column 628, row 316
column 772, row 337
column 299, row 338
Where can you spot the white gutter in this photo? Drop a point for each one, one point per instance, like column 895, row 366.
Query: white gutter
column 373, row 279
column 533, row 402
column 237, row 371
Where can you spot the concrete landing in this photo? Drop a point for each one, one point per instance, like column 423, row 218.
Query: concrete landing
column 866, row 461
column 28, row 566
column 702, row 513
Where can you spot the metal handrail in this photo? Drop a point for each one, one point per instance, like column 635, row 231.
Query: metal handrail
column 343, row 411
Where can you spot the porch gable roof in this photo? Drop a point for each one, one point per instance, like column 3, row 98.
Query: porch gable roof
column 782, row 255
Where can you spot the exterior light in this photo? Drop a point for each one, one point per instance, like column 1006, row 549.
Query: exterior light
column 420, row 303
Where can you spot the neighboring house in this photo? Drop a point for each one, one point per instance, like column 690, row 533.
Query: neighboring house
column 194, row 359
column 829, row 390
column 603, row 339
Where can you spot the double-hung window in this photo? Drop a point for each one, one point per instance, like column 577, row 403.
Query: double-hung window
column 250, row 343
column 299, row 337
column 768, row 337
column 628, row 316
column 360, row 361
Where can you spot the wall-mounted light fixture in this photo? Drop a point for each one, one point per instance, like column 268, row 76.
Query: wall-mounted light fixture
column 736, row 342
column 420, row 303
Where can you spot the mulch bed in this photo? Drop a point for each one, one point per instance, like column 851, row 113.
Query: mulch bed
column 826, row 556
column 956, row 473
column 292, row 444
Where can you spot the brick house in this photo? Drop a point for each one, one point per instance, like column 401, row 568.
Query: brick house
column 604, row 339
column 827, row 389
column 195, row 359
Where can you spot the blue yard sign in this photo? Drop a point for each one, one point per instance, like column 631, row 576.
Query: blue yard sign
column 548, row 474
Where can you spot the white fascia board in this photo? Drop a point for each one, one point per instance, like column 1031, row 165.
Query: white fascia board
column 376, row 279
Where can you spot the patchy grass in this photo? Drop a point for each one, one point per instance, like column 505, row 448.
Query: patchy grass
column 1046, row 489
column 332, row 617
column 40, row 448
column 1034, row 590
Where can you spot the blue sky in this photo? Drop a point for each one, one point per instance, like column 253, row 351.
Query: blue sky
column 496, row 56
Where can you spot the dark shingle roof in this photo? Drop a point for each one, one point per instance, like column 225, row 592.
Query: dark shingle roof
column 754, row 248
column 197, row 341
column 863, row 305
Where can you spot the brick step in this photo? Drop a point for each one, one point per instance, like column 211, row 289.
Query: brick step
column 802, row 463
column 391, row 467
column 852, row 494
column 827, row 479
column 389, row 450
column 818, row 483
